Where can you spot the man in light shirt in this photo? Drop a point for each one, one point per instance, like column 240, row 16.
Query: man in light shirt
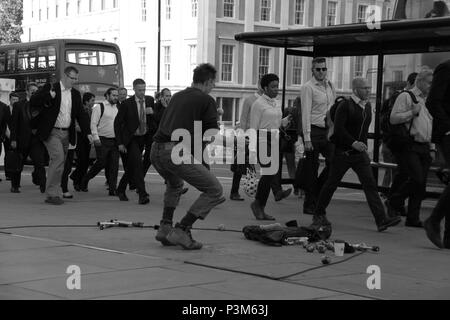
column 57, row 107
column 415, row 159
column 317, row 97
column 102, row 127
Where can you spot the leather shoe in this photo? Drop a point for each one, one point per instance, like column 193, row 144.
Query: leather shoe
column 57, row 201
column 391, row 211
column 15, row 190
column 388, row 222
column 144, row 199
column 112, row 193
column 433, row 233
column 282, row 195
column 236, row 197
column 42, row 188
column 414, row 224
column 122, row 196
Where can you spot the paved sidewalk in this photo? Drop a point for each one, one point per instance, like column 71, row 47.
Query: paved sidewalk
column 122, row 263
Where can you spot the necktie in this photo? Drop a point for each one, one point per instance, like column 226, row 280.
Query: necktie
column 142, row 122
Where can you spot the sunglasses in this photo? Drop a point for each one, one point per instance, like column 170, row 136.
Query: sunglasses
column 321, row 69
column 72, row 78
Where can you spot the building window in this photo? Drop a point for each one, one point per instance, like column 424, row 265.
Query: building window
column 56, row 9
column 230, row 108
column 168, row 9
column 297, row 70
column 48, row 12
column 192, row 56
column 90, row 5
column 79, row 6
column 194, row 4
column 167, row 59
column 266, row 6
column 142, row 59
column 114, row 4
column 40, row 14
column 67, row 7
column 300, row 12
column 103, row 5
column 359, row 66
column 331, row 13
column 362, row 13
column 397, row 76
column 228, row 8
column 264, row 62
column 143, row 10
column 227, row 63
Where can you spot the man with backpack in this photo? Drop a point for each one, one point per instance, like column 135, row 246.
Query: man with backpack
column 102, row 127
column 412, row 148
column 351, row 118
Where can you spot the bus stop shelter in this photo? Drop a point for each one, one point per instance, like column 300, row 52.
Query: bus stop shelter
column 384, row 38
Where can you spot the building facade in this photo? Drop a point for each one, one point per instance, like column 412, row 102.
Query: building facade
column 197, row 31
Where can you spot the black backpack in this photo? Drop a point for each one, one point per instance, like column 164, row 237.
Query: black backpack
column 396, row 136
column 331, row 114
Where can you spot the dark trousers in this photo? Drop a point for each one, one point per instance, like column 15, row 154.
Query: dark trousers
column 416, row 163
column 360, row 164
column 237, row 176
column 442, row 209
column 67, row 169
column 146, row 161
column 7, row 147
column 36, row 151
column 108, row 159
column 313, row 182
column 132, row 162
column 82, row 151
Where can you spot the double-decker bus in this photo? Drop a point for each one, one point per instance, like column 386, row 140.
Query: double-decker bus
column 99, row 63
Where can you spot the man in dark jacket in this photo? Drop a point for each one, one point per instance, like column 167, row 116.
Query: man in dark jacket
column 438, row 103
column 26, row 142
column 56, row 108
column 4, row 119
column 351, row 126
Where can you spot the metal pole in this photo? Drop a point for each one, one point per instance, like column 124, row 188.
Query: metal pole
column 376, row 151
column 158, row 80
column 284, row 80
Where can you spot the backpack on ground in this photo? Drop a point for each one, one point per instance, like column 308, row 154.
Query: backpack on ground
column 331, row 114
column 396, row 136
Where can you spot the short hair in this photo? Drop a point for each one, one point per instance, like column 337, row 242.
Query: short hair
column 122, row 89
column 318, row 60
column 13, row 95
column 422, row 75
column 87, row 96
column 165, row 89
column 31, row 84
column 412, row 78
column 357, row 81
column 70, row 69
column 108, row 92
column 138, row 82
column 204, row 72
column 268, row 78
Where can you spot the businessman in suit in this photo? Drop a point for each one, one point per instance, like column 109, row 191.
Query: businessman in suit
column 57, row 108
column 26, row 142
column 438, row 103
column 131, row 128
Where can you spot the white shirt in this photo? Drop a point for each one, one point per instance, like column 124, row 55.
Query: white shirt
column 65, row 113
column 316, row 101
column 104, row 126
column 265, row 114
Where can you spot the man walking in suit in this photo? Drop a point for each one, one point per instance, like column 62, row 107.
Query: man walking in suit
column 26, row 142
column 438, row 103
column 131, row 128
column 58, row 107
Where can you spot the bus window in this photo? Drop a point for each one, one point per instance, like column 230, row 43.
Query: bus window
column 46, row 58
column 2, row 62
column 91, row 58
column 11, row 61
column 27, row 60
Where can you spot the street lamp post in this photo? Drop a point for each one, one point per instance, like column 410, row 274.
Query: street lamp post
column 158, row 80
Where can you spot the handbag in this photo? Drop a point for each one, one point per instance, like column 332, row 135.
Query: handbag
column 13, row 161
column 250, row 182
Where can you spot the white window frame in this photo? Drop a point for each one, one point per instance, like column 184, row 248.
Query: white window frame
column 270, row 60
column 335, row 12
column 143, row 10
column 233, row 11
column 67, row 8
column 168, row 9
column 360, row 19
column 270, row 7
column 294, row 59
column 194, row 8
column 143, row 62
column 233, row 62
column 192, row 54
column 296, row 7
column 357, row 59
column 167, row 61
